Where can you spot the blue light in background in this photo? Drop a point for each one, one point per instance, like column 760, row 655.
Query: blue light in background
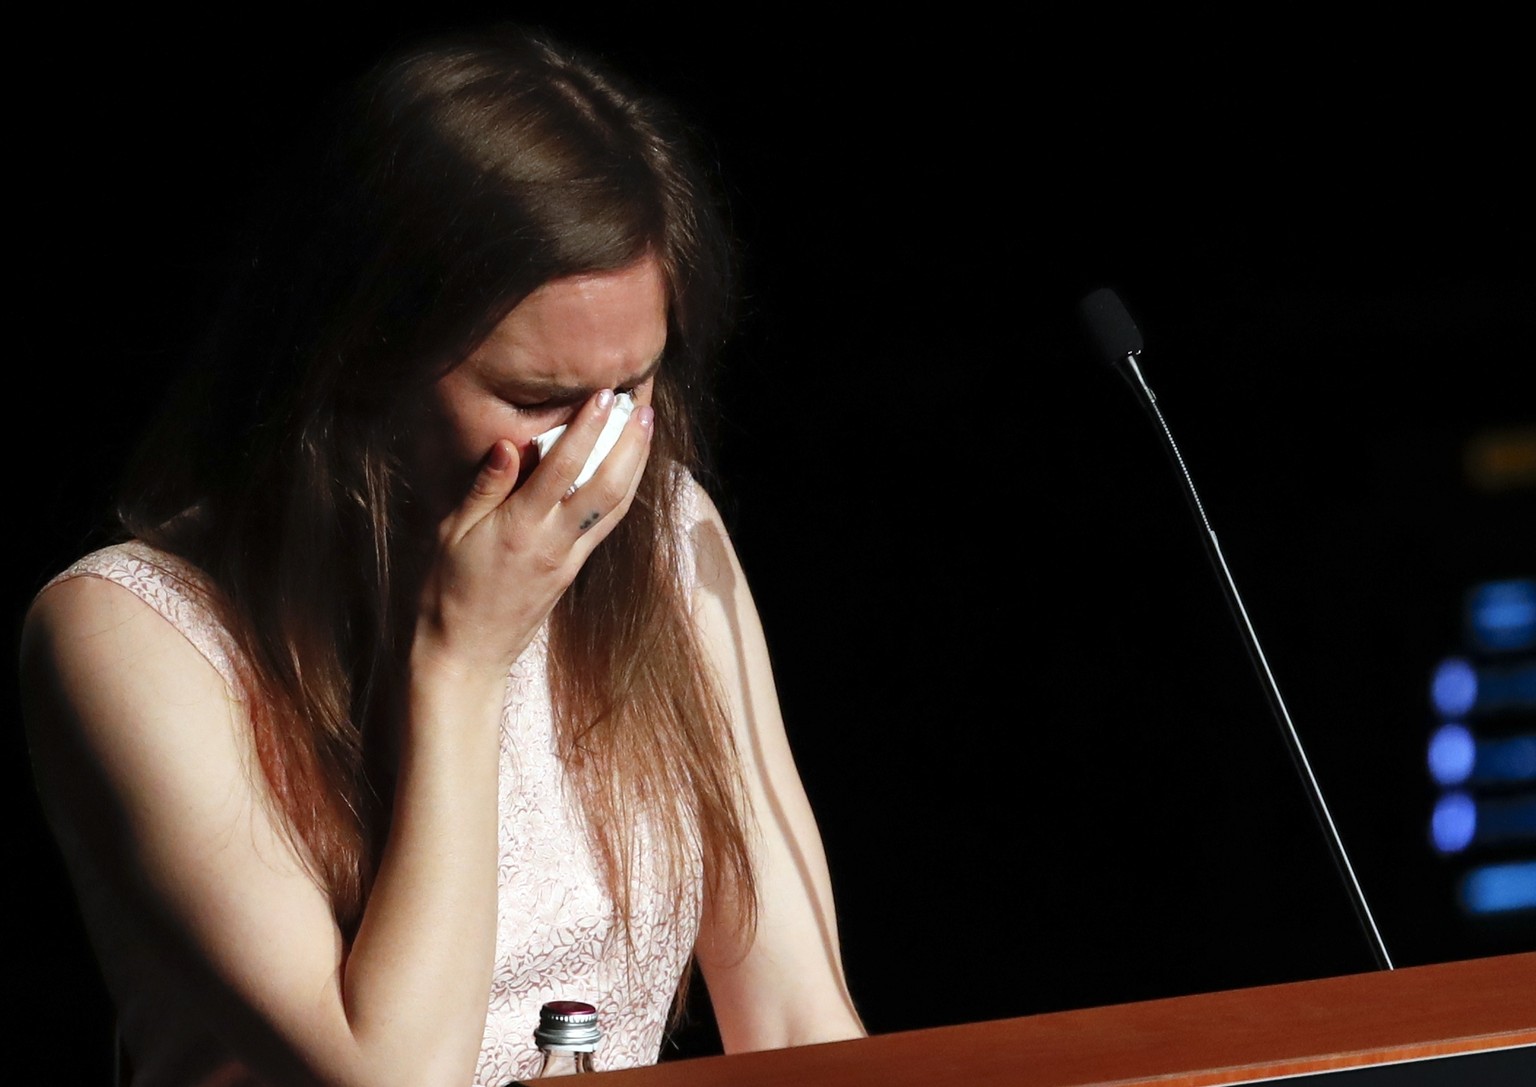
column 1456, row 757
column 1458, row 820
column 1453, row 822
column 1452, row 754
column 1502, row 614
column 1458, row 688
column 1454, row 687
column 1497, row 888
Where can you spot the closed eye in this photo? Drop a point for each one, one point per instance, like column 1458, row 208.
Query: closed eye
column 541, row 407
column 560, row 403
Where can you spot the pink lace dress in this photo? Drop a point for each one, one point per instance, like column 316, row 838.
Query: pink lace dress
column 555, row 933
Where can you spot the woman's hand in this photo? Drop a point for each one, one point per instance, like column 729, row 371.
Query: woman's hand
column 508, row 552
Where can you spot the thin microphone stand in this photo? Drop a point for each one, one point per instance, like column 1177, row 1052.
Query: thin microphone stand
column 1127, row 367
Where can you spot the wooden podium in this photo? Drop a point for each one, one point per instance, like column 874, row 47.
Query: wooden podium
column 1417, row 1014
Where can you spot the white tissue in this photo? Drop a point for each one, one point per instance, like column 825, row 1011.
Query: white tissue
column 623, row 405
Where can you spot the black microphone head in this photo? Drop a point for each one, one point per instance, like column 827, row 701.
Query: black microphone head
column 1110, row 328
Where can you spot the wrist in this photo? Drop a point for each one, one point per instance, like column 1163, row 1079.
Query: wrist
column 444, row 691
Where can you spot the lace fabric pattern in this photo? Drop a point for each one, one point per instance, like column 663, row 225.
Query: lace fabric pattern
column 555, row 933
column 556, row 938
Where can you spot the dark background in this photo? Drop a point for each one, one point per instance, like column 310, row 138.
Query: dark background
column 1045, row 771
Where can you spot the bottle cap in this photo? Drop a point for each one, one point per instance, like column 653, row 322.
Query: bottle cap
column 569, row 1025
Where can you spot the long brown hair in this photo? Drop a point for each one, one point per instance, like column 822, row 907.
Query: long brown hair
column 460, row 176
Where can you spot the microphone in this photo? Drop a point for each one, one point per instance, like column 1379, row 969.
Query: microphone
column 1117, row 340
column 1114, row 335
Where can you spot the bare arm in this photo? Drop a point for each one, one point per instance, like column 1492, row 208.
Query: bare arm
column 147, row 768
column 787, row 987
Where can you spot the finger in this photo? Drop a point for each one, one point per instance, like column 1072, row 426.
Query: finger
column 560, row 468
column 494, row 480
column 606, row 497
column 633, row 450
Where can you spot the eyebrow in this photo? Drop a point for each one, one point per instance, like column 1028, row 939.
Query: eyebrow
column 551, row 390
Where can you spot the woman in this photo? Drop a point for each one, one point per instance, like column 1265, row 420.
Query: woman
column 375, row 712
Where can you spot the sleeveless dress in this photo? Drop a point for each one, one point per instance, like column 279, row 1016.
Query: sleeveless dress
column 555, row 933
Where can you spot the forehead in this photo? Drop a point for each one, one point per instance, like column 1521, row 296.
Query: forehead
column 593, row 329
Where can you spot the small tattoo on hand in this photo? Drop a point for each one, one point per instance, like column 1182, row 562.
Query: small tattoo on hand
column 590, row 519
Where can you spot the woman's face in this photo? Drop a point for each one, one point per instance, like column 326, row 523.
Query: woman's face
column 556, row 348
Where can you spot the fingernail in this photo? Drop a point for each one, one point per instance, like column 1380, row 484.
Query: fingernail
column 499, row 458
column 604, row 397
column 645, row 416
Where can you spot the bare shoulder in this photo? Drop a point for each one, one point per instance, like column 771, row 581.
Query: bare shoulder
column 95, row 658
column 86, row 617
column 717, row 569
column 128, row 724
